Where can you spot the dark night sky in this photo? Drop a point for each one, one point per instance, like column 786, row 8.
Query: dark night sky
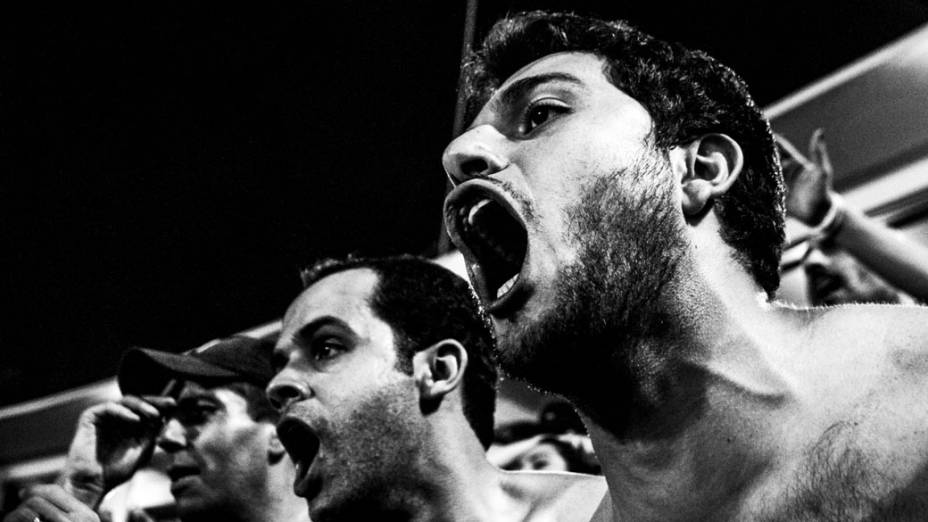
column 168, row 170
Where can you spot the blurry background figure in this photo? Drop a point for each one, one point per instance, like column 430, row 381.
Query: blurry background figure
column 557, row 441
column 203, row 418
column 846, row 256
column 835, row 277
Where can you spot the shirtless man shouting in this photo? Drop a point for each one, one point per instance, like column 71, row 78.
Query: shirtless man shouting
column 619, row 203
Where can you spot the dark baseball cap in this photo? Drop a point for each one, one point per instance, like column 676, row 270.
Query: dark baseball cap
column 233, row 359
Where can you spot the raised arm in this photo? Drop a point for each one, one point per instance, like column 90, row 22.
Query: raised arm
column 811, row 200
column 112, row 441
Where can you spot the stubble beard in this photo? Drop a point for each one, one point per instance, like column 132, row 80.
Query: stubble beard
column 604, row 344
column 375, row 451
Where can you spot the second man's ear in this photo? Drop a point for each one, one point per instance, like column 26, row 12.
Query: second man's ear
column 439, row 369
column 713, row 163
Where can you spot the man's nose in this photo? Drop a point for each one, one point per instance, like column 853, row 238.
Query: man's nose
column 284, row 390
column 474, row 154
column 173, row 436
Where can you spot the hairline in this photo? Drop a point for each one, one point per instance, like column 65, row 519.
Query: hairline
column 369, row 299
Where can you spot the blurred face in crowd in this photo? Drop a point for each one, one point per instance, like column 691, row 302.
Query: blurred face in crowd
column 216, row 451
column 348, row 414
column 545, row 456
column 834, row 277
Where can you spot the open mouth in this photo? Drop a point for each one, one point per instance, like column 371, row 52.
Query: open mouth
column 182, row 477
column 489, row 233
column 177, row 472
column 302, row 444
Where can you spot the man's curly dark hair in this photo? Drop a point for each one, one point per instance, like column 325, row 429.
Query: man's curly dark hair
column 425, row 303
column 687, row 94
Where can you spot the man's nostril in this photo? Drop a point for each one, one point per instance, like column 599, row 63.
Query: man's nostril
column 281, row 395
column 474, row 167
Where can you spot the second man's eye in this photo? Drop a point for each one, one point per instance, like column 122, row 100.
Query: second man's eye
column 194, row 413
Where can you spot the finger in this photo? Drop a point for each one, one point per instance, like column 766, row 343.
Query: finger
column 107, row 410
column 111, row 411
column 814, row 141
column 21, row 514
column 161, row 402
column 141, row 406
column 45, row 509
column 58, row 497
column 818, row 151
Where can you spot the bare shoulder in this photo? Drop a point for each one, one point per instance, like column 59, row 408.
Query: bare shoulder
column 859, row 432
column 868, row 362
column 901, row 320
column 896, row 335
column 557, row 496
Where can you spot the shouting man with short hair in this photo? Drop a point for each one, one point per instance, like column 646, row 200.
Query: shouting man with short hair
column 386, row 388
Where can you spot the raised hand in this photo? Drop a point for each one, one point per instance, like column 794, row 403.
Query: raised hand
column 808, row 179
column 113, row 440
column 51, row 503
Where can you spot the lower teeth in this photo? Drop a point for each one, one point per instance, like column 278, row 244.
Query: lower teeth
column 501, row 291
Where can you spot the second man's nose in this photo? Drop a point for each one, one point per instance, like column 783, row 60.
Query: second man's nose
column 173, row 436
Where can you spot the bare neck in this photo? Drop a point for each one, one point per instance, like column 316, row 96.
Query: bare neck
column 452, row 480
column 698, row 450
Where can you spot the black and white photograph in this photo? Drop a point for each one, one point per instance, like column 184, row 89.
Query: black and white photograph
column 468, row 260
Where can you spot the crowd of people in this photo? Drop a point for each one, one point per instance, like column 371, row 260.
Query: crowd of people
column 620, row 203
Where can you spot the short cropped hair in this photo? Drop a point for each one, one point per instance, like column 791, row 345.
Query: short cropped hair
column 425, row 303
column 687, row 94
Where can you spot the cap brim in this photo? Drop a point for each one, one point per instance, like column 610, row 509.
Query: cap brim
column 147, row 372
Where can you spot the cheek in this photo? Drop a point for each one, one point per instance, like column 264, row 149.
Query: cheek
column 225, row 450
column 372, row 413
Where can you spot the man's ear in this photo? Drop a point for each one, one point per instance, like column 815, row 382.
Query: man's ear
column 439, row 369
column 713, row 163
column 275, row 448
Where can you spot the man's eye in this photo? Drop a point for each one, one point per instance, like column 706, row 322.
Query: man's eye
column 195, row 413
column 327, row 349
column 539, row 114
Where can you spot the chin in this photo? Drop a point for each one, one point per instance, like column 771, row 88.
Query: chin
column 194, row 508
column 329, row 506
column 512, row 349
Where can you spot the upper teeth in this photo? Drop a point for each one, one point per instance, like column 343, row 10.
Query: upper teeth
column 474, row 209
column 501, row 291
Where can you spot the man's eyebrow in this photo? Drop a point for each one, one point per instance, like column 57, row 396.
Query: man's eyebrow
column 196, row 396
column 305, row 332
column 521, row 87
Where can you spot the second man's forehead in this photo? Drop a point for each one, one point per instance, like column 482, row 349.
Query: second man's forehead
column 346, row 288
